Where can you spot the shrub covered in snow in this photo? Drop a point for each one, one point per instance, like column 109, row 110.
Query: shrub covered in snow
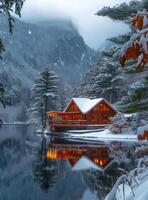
column 141, row 129
column 118, row 123
column 142, row 150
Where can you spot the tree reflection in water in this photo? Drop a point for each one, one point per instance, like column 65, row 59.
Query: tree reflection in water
column 45, row 172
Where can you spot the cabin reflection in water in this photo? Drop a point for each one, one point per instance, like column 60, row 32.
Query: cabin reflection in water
column 97, row 154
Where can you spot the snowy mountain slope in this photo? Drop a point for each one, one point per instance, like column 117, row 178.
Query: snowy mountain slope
column 56, row 44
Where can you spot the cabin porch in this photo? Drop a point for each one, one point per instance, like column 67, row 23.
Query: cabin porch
column 66, row 119
column 72, row 120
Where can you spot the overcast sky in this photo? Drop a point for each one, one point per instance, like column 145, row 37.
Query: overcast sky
column 94, row 29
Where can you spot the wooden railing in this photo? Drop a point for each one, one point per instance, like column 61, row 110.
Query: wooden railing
column 67, row 122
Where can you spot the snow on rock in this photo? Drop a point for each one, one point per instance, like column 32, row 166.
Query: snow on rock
column 84, row 164
column 141, row 129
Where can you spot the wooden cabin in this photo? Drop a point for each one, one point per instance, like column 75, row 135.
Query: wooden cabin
column 82, row 113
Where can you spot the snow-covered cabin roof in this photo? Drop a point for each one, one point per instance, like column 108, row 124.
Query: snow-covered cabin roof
column 86, row 104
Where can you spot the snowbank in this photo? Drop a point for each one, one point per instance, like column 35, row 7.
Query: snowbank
column 141, row 129
column 104, row 135
column 140, row 193
column 132, row 185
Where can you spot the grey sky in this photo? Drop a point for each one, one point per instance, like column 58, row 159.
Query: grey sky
column 94, row 29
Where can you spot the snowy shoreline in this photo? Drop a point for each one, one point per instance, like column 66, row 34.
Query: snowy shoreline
column 104, row 135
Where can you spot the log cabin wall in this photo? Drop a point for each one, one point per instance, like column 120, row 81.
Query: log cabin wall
column 100, row 114
column 72, row 107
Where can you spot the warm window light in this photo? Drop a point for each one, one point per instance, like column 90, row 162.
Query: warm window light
column 101, row 163
column 52, row 154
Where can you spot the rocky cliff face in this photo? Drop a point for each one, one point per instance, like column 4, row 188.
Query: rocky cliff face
column 35, row 46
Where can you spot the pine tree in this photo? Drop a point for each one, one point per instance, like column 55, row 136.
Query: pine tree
column 138, row 96
column 103, row 79
column 6, row 8
column 44, row 95
column 123, row 11
column 137, row 46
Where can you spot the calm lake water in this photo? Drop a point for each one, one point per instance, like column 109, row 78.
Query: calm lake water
column 29, row 172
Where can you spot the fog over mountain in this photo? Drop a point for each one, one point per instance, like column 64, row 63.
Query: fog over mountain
column 95, row 30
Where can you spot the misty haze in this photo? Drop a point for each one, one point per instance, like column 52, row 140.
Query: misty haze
column 73, row 99
column 95, row 30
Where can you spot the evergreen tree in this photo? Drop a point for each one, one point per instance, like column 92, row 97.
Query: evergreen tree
column 44, row 95
column 136, row 47
column 103, row 79
column 6, row 8
column 123, row 11
column 138, row 97
column 145, row 3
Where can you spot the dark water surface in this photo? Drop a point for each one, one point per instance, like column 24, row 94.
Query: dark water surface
column 27, row 173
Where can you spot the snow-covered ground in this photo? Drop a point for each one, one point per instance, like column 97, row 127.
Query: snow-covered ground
column 140, row 193
column 103, row 135
column 133, row 185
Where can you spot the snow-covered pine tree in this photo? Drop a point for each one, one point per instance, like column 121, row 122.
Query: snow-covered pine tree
column 6, row 8
column 44, row 95
column 136, row 48
column 104, row 79
column 102, row 86
column 138, row 96
column 123, row 11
